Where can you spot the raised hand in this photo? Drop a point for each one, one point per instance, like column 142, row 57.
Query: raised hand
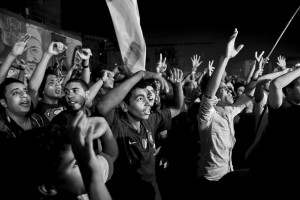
column 20, row 45
column 231, row 51
column 56, row 48
column 211, row 68
column 78, row 131
column 85, row 53
column 21, row 64
column 195, row 63
column 260, row 61
column 258, row 58
column 104, row 76
column 189, row 78
column 81, row 125
column 176, row 76
column 161, row 66
column 281, row 62
column 151, row 75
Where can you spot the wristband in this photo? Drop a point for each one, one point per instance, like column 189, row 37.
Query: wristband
column 254, row 79
column 84, row 67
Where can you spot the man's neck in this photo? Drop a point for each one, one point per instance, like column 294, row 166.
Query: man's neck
column 21, row 120
column 136, row 124
column 48, row 100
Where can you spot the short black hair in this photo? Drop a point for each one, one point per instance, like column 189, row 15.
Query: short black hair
column 237, row 85
column 5, row 83
column 291, row 85
column 84, row 85
column 141, row 84
column 49, row 71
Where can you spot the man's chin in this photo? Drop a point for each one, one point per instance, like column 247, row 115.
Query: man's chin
column 74, row 108
column 145, row 116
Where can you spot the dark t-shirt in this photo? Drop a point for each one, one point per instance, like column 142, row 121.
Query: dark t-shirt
column 10, row 129
column 48, row 111
column 12, row 156
column 134, row 174
column 277, row 153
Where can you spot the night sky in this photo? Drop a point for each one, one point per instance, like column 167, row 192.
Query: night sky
column 252, row 18
column 259, row 23
column 195, row 22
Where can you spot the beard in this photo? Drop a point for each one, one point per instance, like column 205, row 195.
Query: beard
column 79, row 105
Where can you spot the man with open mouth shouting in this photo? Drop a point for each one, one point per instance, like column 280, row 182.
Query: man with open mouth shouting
column 134, row 127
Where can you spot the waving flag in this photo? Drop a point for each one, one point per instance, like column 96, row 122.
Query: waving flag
column 126, row 21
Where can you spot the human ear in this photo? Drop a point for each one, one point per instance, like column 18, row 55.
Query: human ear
column 3, row 103
column 87, row 93
column 124, row 106
column 48, row 190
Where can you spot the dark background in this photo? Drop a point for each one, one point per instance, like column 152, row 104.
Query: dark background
column 259, row 23
column 201, row 27
column 252, row 18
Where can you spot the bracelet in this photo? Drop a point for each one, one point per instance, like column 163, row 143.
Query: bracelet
column 254, row 79
column 84, row 67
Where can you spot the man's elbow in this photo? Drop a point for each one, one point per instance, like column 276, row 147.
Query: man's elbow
column 275, row 85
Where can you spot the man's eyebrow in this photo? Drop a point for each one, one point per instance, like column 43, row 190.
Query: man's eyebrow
column 140, row 95
column 14, row 90
column 73, row 88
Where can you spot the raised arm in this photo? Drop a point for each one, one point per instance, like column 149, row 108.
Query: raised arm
column 216, row 77
column 21, row 65
column 195, row 63
column 69, row 74
column 276, row 86
column 281, row 64
column 175, row 78
column 95, row 88
column 18, row 49
column 251, row 73
column 114, row 97
column 161, row 65
column 258, row 65
column 109, row 143
column 91, row 170
column 85, row 54
column 36, row 79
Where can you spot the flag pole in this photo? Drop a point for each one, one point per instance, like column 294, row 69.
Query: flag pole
column 282, row 32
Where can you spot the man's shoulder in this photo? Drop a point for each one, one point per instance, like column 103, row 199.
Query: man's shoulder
column 62, row 117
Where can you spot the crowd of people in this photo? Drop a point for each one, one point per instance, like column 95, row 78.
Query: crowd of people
column 157, row 135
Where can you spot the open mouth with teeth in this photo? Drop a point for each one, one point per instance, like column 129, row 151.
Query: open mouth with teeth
column 147, row 111
column 72, row 103
column 58, row 91
column 25, row 103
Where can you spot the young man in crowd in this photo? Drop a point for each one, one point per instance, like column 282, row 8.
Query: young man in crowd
column 134, row 128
